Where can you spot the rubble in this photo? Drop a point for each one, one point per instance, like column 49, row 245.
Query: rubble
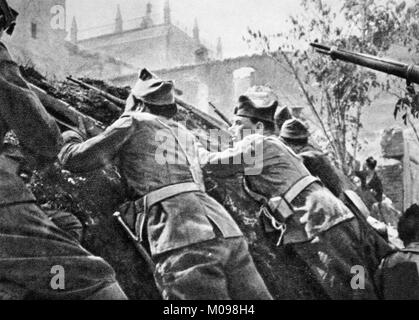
column 392, row 143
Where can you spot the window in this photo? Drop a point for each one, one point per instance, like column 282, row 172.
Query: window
column 34, row 30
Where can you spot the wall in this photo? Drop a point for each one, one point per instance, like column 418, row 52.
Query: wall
column 218, row 77
column 50, row 53
column 158, row 47
column 47, row 49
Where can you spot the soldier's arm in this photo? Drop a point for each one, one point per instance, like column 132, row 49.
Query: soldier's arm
column 231, row 161
column 22, row 111
column 97, row 152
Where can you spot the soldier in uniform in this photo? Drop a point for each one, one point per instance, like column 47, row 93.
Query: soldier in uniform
column 33, row 248
column 303, row 216
column 199, row 251
column 281, row 115
column 398, row 275
column 295, row 135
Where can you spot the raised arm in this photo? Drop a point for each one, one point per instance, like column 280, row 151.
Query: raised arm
column 243, row 158
column 97, row 152
column 22, row 111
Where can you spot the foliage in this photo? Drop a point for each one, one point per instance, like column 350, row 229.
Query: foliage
column 337, row 92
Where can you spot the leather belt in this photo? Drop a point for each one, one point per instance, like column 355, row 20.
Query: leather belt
column 299, row 187
column 278, row 209
column 154, row 197
column 283, row 203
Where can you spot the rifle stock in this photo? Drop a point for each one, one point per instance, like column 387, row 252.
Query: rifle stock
column 398, row 69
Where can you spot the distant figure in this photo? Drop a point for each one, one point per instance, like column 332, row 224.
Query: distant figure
column 370, row 180
column 398, row 274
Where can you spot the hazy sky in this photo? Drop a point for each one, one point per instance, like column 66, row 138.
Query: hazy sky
column 227, row 19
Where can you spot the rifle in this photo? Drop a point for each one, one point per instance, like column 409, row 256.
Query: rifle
column 138, row 246
column 116, row 102
column 219, row 113
column 121, row 104
column 7, row 17
column 398, row 69
column 64, row 114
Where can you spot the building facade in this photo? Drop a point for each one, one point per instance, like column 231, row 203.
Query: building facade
column 39, row 40
column 151, row 41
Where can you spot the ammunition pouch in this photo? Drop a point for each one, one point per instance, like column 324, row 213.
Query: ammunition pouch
column 275, row 212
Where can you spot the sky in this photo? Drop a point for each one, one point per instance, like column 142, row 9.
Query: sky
column 228, row 19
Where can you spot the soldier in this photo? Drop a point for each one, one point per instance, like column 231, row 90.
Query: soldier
column 281, row 115
column 33, row 248
column 303, row 216
column 295, row 134
column 199, row 251
column 398, row 275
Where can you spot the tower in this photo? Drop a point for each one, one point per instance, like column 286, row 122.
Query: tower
column 74, row 31
column 196, row 31
column 149, row 7
column 147, row 22
column 167, row 13
column 118, row 20
column 219, row 49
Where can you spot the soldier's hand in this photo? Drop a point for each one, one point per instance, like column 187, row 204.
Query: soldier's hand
column 85, row 128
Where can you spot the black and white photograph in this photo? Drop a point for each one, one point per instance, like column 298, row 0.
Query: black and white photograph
column 209, row 150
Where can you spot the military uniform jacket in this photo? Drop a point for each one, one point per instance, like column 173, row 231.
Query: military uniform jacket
column 31, row 245
column 398, row 274
column 271, row 168
column 22, row 111
column 153, row 153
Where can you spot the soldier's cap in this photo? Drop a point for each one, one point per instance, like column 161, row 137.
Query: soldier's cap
column 283, row 114
column 154, row 91
column 294, row 129
column 259, row 103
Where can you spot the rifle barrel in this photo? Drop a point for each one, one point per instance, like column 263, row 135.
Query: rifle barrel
column 118, row 102
column 220, row 114
column 398, row 69
column 121, row 103
column 63, row 113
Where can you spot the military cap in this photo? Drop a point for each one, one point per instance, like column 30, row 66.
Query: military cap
column 294, row 129
column 259, row 103
column 283, row 114
column 153, row 90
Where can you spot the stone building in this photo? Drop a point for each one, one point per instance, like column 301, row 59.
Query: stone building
column 148, row 41
column 39, row 40
column 34, row 38
column 222, row 81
